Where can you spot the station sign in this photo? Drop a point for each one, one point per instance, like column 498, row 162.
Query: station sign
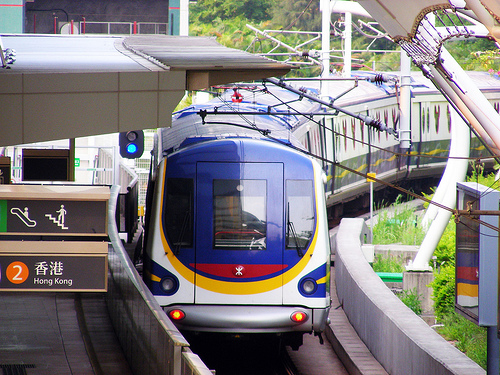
column 53, row 266
column 41, row 231
column 53, row 210
column 54, row 217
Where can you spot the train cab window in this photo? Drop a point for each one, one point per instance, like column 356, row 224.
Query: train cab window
column 239, row 214
column 179, row 212
column 299, row 214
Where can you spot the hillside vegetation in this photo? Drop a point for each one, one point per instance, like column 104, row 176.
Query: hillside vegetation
column 226, row 20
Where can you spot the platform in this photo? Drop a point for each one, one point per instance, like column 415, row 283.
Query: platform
column 58, row 333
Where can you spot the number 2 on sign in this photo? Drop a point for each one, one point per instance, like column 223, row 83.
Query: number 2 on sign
column 17, row 272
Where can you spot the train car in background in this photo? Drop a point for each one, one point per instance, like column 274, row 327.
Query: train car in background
column 342, row 140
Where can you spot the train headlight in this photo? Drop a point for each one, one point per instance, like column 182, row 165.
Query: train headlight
column 299, row 317
column 169, row 285
column 176, row 314
column 308, row 286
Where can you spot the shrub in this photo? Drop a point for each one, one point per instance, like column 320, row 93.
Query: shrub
column 411, row 298
column 445, row 250
column 443, row 293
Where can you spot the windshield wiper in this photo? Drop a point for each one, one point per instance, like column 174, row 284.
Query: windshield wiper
column 291, row 229
column 185, row 223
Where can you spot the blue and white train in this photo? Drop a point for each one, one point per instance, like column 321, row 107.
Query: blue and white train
column 236, row 233
column 237, row 229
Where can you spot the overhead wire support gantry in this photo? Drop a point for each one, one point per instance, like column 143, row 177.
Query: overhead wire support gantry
column 368, row 120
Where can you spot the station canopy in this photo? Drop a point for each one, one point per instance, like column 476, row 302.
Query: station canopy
column 401, row 18
column 69, row 86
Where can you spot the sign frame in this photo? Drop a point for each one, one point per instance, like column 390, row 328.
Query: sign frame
column 15, row 256
column 476, row 268
column 46, row 210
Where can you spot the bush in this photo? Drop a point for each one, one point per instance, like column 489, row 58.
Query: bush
column 443, row 292
column 445, row 250
column 411, row 298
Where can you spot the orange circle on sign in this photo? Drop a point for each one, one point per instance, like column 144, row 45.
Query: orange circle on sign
column 17, row 272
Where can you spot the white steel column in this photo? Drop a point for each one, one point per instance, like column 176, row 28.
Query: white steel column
column 184, row 18
column 347, row 44
column 325, row 46
column 405, row 113
column 455, row 171
column 473, row 104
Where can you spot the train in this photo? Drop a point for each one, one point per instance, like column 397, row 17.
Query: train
column 341, row 140
column 243, row 190
column 237, row 237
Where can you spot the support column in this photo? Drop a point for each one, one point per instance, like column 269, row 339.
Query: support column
column 420, row 280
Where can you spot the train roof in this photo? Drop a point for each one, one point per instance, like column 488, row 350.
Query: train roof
column 255, row 115
column 368, row 91
column 263, row 112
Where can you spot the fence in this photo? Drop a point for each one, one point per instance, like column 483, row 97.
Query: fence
column 129, row 28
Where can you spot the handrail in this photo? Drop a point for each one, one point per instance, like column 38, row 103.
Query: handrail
column 133, row 27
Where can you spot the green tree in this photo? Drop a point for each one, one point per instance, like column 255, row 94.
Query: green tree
column 206, row 11
column 475, row 54
column 297, row 14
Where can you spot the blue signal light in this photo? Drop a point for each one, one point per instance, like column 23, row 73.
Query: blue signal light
column 131, row 144
column 132, row 148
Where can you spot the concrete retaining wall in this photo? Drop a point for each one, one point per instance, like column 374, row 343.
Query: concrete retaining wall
column 401, row 341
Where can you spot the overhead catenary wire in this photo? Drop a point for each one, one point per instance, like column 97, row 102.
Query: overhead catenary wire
column 456, row 212
column 267, row 133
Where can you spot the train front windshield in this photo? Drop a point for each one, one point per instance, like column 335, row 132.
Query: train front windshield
column 239, row 214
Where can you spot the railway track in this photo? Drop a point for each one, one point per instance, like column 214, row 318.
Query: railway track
column 261, row 355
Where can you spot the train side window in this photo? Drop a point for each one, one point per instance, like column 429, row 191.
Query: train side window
column 239, row 220
column 299, row 214
column 179, row 212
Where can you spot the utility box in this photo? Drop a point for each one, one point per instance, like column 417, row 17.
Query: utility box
column 476, row 271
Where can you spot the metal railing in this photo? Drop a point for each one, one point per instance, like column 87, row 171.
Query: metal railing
column 130, row 28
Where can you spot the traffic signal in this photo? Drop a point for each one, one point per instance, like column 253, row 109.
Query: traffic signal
column 131, row 144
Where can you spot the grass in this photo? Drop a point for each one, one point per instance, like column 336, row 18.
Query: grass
column 466, row 336
column 387, row 264
column 400, row 225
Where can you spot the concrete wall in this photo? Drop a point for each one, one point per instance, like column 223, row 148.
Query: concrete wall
column 401, row 341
